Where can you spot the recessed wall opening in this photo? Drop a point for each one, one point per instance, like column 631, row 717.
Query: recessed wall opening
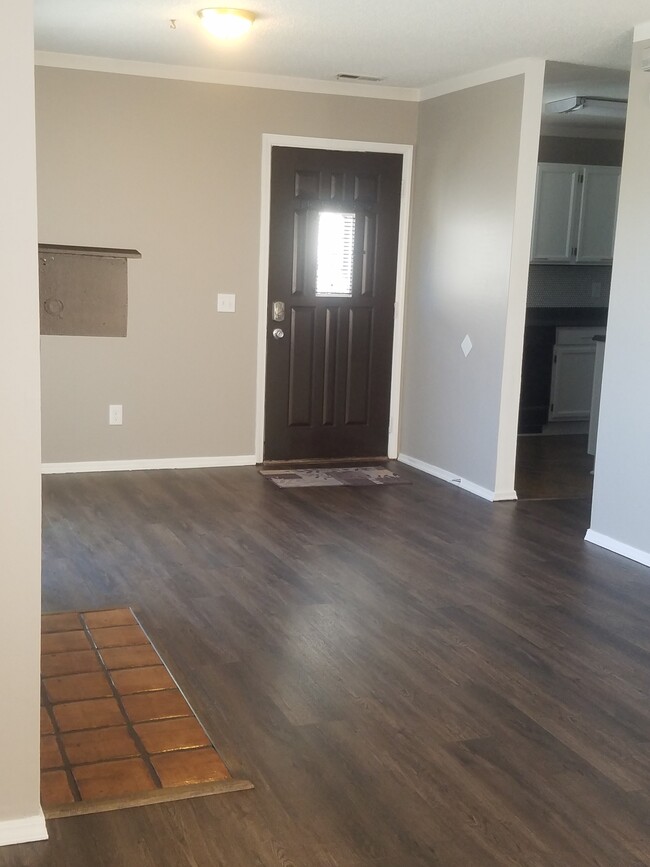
column 580, row 156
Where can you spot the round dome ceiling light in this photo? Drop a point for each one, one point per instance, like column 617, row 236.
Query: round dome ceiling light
column 226, row 23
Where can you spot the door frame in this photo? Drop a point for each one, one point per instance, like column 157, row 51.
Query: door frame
column 269, row 141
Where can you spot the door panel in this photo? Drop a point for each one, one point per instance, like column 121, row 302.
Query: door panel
column 333, row 263
column 301, row 365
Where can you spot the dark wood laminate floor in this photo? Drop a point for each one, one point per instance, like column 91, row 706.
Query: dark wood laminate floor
column 411, row 676
column 555, row 467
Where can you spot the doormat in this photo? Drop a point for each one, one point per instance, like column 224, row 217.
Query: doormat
column 116, row 731
column 333, row 477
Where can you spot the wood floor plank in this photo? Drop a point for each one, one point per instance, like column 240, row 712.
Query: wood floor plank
column 409, row 675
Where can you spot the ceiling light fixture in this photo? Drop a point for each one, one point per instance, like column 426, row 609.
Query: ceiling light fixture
column 226, row 23
column 596, row 106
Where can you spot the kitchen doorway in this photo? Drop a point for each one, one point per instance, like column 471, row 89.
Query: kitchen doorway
column 579, row 168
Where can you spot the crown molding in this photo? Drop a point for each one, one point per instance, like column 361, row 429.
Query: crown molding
column 220, row 76
column 287, row 82
column 484, row 76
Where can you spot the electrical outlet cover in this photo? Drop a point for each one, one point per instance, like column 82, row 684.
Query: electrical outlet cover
column 466, row 345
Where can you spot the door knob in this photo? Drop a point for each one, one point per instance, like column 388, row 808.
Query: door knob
column 278, row 333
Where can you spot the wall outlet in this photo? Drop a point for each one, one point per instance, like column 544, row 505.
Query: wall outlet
column 595, row 290
column 115, row 413
column 225, row 302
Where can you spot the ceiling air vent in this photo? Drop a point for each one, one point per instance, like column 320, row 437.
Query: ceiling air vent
column 348, row 76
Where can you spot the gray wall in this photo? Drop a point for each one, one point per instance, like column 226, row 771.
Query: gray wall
column 20, row 543
column 622, row 474
column 173, row 169
column 583, row 151
column 459, row 272
column 569, row 285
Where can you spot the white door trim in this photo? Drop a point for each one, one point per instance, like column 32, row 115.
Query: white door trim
column 268, row 142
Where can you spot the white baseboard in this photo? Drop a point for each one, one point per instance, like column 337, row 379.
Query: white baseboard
column 458, row 481
column 27, row 830
column 617, row 547
column 148, row 464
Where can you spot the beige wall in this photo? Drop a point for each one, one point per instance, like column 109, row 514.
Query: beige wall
column 467, row 171
column 622, row 474
column 19, row 436
column 172, row 169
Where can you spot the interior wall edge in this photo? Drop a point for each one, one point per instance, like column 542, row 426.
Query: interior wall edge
column 531, row 119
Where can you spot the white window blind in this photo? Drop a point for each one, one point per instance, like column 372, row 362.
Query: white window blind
column 335, row 253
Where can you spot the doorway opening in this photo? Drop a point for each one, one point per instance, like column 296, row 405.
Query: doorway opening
column 580, row 157
column 332, row 281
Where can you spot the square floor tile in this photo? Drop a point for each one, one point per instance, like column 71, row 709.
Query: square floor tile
column 172, row 734
column 119, row 636
column 130, row 657
column 98, row 713
column 155, row 705
column 112, row 617
column 113, row 779
column 98, row 745
column 61, row 642
column 55, row 789
column 50, row 753
column 77, row 662
column 151, row 677
column 60, row 622
column 189, row 766
column 77, row 687
column 47, row 728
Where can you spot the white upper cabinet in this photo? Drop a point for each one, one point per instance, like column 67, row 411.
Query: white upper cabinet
column 575, row 213
column 556, row 206
column 599, row 201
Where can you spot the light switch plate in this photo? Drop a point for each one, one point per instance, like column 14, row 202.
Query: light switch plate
column 466, row 345
column 115, row 413
column 226, row 302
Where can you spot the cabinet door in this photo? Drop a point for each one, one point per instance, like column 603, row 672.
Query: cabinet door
column 598, row 204
column 556, row 212
column 572, row 382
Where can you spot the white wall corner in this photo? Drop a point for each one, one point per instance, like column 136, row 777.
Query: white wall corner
column 31, row 829
column 457, row 481
column 531, row 119
column 521, row 66
column 642, row 32
column 617, row 547
column 230, row 78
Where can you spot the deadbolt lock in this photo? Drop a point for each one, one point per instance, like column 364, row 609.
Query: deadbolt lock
column 278, row 311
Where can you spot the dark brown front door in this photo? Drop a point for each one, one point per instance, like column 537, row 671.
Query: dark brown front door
column 332, row 271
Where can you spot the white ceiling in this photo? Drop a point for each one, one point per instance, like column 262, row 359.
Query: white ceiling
column 408, row 44
column 563, row 80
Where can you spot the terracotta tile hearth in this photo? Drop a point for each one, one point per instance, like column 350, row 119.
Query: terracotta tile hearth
column 116, row 731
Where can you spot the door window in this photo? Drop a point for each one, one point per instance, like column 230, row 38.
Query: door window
column 335, row 253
